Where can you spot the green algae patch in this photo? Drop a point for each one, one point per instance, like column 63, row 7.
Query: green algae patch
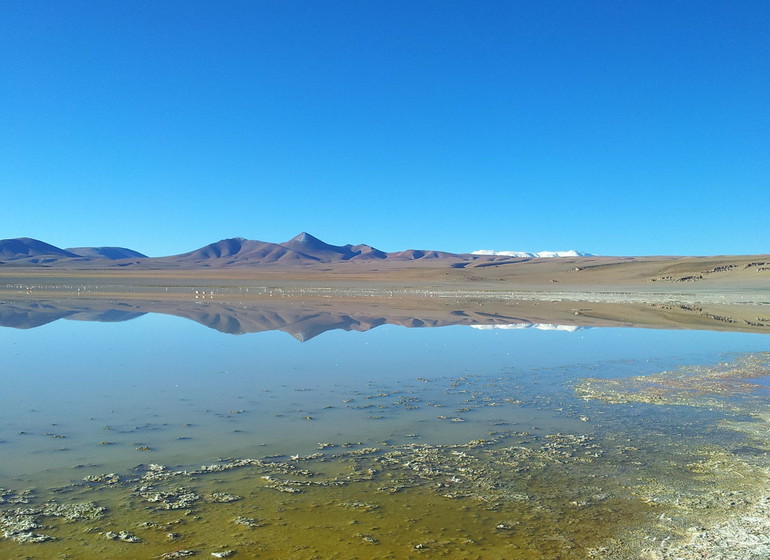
column 510, row 496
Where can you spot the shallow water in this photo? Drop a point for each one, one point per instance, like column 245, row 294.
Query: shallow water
column 451, row 442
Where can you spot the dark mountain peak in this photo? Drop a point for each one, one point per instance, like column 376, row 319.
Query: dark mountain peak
column 313, row 247
column 304, row 239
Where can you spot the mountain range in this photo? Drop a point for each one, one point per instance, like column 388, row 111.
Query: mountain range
column 304, row 249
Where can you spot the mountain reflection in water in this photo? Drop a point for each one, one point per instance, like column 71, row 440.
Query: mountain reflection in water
column 302, row 321
column 306, row 318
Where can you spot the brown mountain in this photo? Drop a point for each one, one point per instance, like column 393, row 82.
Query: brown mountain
column 235, row 251
column 313, row 247
column 304, row 249
column 110, row 253
column 32, row 250
column 28, row 251
column 416, row 254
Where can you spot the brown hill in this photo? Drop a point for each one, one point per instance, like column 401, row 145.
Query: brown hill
column 235, row 251
column 27, row 251
column 32, row 251
column 304, row 249
column 110, row 253
column 313, row 247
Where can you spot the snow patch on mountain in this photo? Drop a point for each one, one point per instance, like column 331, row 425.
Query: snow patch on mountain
column 538, row 326
column 539, row 255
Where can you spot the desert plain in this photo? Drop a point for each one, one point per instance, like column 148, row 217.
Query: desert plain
column 717, row 293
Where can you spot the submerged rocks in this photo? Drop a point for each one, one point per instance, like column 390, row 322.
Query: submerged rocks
column 246, row 521
column 183, row 553
column 123, row 536
column 179, row 498
column 507, row 525
column 20, row 528
column 222, row 498
column 15, row 496
column 109, row 478
column 73, row 512
column 26, row 538
column 363, row 506
column 19, row 524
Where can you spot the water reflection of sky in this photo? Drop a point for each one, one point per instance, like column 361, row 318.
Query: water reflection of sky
column 159, row 380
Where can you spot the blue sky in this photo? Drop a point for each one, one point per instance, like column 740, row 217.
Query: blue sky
column 618, row 127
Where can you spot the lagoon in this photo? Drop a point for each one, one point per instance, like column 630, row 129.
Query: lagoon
column 453, row 442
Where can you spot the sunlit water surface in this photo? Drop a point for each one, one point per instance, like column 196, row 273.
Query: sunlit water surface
column 451, row 442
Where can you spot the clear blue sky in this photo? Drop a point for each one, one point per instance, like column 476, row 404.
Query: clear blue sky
column 617, row 127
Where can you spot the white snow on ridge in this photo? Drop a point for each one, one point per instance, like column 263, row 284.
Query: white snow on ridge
column 539, row 255
column 538, row 326
column 503, row 253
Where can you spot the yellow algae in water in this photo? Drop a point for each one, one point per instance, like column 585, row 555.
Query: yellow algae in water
column 319, row 523
column 478, row 500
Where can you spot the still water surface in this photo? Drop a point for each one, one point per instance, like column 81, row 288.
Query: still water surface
column 435, row 442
